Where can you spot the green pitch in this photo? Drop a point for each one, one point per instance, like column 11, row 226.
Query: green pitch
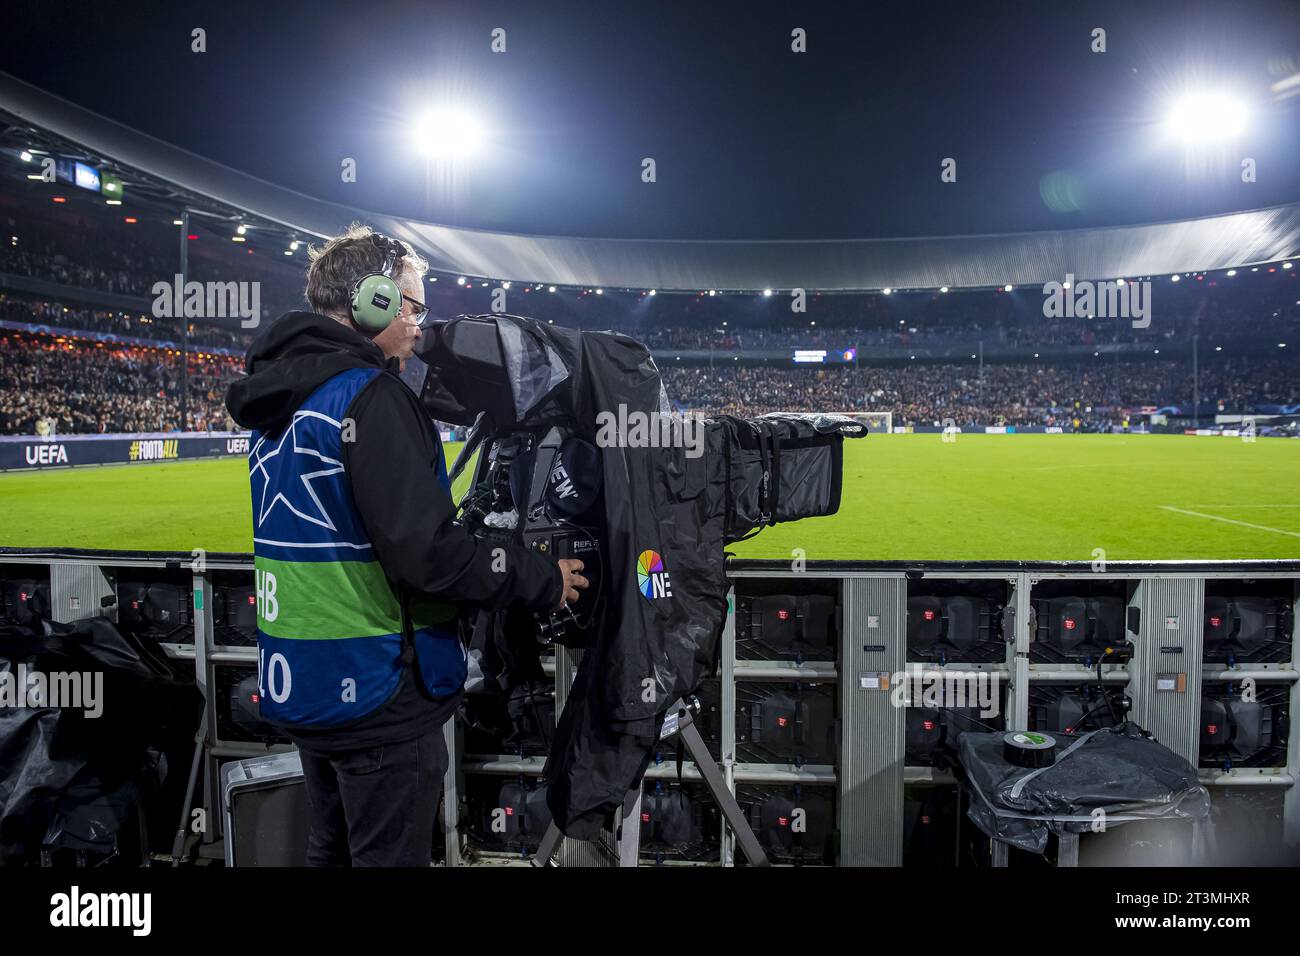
column 910, row 497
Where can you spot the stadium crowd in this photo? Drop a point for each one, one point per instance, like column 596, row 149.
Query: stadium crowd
column 930, row 394
column 73, row 385
column 57, row 315
column 49, row 386
column 122, row 267
column 1037, row 333
column 89, row 382
column 1226, row 325
column 91, row 249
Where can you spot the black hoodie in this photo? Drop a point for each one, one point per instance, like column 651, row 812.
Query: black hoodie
column 392, row 469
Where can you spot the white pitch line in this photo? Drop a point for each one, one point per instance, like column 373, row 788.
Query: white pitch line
column 1244, row 524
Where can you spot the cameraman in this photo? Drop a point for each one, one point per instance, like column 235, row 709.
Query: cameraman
column 360, row 566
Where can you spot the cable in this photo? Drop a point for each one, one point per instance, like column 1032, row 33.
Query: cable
column 1087, row 714
column 1101, row 686
column 541, row 725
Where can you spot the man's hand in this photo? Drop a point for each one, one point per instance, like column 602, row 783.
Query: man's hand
column 573, row 581
column 398, row 340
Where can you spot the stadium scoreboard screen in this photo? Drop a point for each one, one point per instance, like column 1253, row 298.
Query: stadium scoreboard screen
column 87, row 177
column 84, row 176
column 823, row 356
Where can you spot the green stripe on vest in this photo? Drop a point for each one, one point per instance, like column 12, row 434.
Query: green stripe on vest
column 327, row 600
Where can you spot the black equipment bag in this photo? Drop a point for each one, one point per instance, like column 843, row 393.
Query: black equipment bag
column 1118, row 773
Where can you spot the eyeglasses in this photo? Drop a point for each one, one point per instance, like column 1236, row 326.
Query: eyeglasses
column 421, row 310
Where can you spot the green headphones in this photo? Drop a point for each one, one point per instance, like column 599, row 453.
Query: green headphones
column 376, row 299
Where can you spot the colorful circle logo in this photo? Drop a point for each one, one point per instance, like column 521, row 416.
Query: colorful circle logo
column 648, row 563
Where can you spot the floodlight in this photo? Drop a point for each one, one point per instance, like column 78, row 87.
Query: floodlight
column 447, row 134
column 1206, row 117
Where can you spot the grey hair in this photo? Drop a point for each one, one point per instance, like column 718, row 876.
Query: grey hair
column 336, row 266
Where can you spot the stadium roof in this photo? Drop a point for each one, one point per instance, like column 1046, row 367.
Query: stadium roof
column 1022, row 259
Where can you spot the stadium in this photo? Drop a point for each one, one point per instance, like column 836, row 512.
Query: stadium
column 1073, row 394
column 977, row 362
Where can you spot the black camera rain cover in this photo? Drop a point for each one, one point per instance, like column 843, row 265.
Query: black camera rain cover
column 1121, row 771
column 665, row 594
column 574, row 481
column 668, row 514
column 516, row 370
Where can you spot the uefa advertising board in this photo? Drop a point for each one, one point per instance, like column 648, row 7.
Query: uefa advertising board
column 62, row 451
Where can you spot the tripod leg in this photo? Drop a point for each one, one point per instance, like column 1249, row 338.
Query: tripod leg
column 1067, row 849
column 182, row 828
column 726, row 801
column 1000, row 853
column 546, row 849
column 629, row 832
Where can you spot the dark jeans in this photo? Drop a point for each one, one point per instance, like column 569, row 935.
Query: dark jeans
column 374, row 807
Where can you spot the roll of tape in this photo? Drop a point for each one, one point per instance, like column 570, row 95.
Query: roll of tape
column 1027, row 748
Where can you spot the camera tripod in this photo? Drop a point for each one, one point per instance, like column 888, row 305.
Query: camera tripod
column 625, row 840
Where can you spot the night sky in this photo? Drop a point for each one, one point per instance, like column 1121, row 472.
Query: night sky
column 751, row 140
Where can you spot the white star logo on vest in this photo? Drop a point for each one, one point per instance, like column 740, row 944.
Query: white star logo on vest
column 258, row 466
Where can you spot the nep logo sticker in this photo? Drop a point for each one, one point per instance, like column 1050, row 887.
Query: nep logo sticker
column 651, row 577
